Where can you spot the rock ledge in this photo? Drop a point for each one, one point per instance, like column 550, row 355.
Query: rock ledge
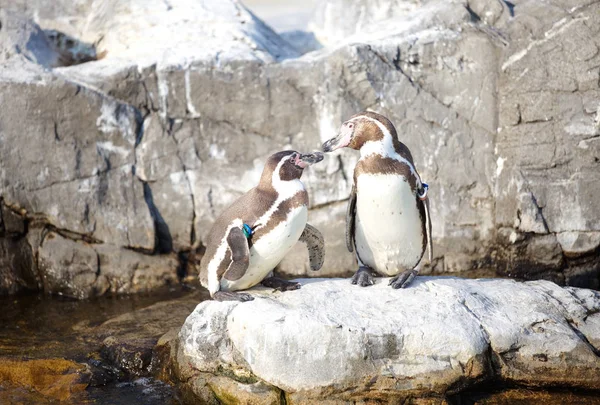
column 331, row 340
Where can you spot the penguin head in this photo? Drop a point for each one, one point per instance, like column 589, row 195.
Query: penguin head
column 359, row 129
column 288, row 165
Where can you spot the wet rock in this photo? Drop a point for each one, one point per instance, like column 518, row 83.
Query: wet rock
column 357, row 344
column 69, row 268
column 17, row 266
column 130, row 342
column 53, row 379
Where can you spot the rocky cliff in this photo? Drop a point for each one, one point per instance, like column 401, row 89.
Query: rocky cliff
column 127, row 126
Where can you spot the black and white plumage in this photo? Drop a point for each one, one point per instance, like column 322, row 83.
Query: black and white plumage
column 276, row 211
column 387, row 221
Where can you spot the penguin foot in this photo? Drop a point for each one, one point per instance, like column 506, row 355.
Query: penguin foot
column 280, row 284
column 363, row 277
column 403, row 279
column 231, row 296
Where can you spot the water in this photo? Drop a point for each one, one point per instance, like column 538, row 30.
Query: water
column 36, row 327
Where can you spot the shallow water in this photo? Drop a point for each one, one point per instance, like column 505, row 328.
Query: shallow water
column 43, row 327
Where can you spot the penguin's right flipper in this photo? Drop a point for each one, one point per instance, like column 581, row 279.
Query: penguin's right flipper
column 240, row 254
column 316, row 246
column 350, row 215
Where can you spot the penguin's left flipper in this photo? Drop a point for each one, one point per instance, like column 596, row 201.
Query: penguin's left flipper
column 316, row 246
column 428, row 229
column 240, row 254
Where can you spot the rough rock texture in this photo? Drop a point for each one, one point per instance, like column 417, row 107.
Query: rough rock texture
column 332, row 340
column 498, row 101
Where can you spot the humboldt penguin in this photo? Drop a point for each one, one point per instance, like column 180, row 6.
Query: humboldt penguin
column 387, row 220
column 253, row 235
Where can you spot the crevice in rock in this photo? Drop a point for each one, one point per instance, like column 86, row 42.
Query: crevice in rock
column 474, row 16
column 342, row 168
column 59, row 182
column 328, row 204
column 569, row 320
column 163, row 242
column 510, row 6
column 584, row 339
column 2, row 229
column 540, row 213
column 56, row 135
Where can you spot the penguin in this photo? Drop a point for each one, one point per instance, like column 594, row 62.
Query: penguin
column 387, row 220
column 253, row 235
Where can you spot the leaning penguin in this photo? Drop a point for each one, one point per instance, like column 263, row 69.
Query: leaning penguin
column 387, row 221
column 254, row 234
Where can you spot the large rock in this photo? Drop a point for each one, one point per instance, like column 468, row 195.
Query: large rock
column 332, row 340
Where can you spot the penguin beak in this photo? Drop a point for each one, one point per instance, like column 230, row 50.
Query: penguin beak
column 340, row 141
column 307, row 159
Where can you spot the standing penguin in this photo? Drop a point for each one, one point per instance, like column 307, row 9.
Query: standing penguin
column 254, row 234
column 387, row 221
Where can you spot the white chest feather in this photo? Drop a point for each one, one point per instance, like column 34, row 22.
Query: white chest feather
column 270, row 249
column 388, row 229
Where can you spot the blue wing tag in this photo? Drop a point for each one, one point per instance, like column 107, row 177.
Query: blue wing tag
column 422, row 193
column 247, row 231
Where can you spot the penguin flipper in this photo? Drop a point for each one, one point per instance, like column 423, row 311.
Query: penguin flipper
column 428, row 229
column 350, row 215
column 315, row 244
column 240, row 254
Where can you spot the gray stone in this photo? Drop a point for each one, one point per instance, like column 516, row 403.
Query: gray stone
column 332, row 340
column 94, row 136
column 11, row 222
column 126, row 271
column 576, row 244
column 69, row 268
column 20, row 37
column 18, row 271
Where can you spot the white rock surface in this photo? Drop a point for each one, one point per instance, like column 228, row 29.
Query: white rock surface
column 332, row 338
column 177, row 31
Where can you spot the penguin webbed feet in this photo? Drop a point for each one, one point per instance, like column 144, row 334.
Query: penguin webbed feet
column 403, row 279
column 231, row 296
column 363, row 277
column 280, row 284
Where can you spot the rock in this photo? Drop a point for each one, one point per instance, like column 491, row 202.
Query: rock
column 436, row 338
column 12, row 223
column 20, row 37
column 126, row 271
column 335, row 20
column 18, row 270
column 95, row 137
column 54, row 379
column 69, row 268
column 302, row 41
column 576, row 244
column 135, row 343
